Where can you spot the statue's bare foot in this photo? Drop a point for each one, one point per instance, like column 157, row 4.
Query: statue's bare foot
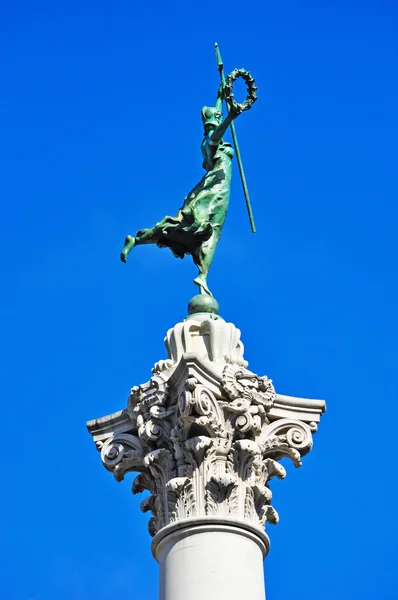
column 201, row 282
column 129, row 244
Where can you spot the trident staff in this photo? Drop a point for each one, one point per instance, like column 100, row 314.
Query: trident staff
column 245, row 106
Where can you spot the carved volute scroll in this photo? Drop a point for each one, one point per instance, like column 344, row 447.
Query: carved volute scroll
column 202, row 433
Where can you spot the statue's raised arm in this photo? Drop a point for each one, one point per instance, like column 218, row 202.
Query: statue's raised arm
column 197, row 226
column 219, row 131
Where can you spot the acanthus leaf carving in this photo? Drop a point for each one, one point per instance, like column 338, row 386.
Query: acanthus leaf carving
column 181, row 502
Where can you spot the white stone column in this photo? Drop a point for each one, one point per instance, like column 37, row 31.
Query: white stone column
column 205, row 435
column 210, row 561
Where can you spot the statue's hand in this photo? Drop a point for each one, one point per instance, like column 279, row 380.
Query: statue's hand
column 235, row 110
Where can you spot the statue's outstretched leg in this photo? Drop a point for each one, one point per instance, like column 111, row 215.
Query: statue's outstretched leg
column 144, row 236
column 129, row 244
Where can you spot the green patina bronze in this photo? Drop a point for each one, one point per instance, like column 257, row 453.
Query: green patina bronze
column 196, row 228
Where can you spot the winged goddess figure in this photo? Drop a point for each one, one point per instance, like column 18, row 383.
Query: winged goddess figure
column 197, row 226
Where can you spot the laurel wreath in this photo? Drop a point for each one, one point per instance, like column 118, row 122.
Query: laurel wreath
column 251, row 90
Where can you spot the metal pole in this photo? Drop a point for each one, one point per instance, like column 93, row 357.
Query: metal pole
column 220, row 66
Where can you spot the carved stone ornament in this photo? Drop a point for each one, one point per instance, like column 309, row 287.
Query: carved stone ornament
column 205, row 434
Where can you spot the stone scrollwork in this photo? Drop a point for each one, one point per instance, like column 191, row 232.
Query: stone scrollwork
column 251, row 397
column 121, row 454
column 288, row 438
column 238, row 383
column 205, row 434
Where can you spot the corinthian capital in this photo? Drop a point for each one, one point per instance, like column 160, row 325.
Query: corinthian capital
column 205, row 434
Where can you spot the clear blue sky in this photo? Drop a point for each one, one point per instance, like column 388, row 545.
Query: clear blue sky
column 101, row 133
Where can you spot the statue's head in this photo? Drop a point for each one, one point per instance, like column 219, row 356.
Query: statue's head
column 211, row 117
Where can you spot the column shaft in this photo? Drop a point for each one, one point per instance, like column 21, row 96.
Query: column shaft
column 210, row 562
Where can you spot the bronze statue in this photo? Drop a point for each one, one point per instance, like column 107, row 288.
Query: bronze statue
column 196, row 228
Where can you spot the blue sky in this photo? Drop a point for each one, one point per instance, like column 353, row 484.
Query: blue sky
column 101, row 135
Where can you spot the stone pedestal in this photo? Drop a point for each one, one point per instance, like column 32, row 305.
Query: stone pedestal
column 205, row 435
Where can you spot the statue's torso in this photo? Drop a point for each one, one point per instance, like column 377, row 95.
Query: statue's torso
column 208, row 201
column 219, row 156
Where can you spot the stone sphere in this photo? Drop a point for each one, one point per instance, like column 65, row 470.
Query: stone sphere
column 202, row 303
